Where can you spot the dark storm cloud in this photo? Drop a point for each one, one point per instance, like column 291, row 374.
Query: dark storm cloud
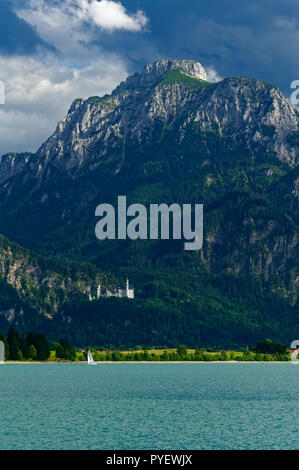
column 254, row 38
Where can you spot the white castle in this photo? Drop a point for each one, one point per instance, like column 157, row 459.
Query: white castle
column 117, row 292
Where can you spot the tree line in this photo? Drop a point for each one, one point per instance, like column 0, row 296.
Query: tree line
column 264, row 351
column 35, row 347
column 19, row 347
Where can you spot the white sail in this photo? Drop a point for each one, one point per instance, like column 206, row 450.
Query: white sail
column 90, row 358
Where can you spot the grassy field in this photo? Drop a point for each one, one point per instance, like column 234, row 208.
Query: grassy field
column 172, row 355
column 179, row 76
column 191, row 355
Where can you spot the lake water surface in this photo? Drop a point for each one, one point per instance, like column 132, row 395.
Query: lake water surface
column 149, row 406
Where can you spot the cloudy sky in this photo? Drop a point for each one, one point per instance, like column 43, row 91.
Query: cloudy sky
column 53, row 51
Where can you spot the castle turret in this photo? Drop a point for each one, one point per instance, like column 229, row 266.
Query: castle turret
column 129, row 292
column 127, row 288
column 98, row 291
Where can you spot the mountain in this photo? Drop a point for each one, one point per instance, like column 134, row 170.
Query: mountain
column 168, row 135
column 11, row 164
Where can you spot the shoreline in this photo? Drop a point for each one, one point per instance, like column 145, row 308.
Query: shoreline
column 145, row 362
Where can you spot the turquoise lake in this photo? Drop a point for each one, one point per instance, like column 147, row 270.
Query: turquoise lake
column 149, row 406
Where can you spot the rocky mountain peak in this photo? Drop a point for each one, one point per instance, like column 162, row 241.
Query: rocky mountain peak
column 156, row 71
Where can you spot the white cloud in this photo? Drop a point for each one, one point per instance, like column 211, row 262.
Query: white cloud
column 40, row 89
column 39, row 94
column 68, row 25
column 212, row 75
column 55, row 25
column 110, row 15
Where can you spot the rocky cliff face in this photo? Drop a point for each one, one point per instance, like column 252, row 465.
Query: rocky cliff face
column 36, row 286
column 173, row 92
column 11, row 164
column 239, row 108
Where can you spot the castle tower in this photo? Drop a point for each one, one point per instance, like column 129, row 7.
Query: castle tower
column 129, row 292
column 98, row 291
column 127, row 288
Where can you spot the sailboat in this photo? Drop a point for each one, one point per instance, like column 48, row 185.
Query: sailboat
column 90, row 358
